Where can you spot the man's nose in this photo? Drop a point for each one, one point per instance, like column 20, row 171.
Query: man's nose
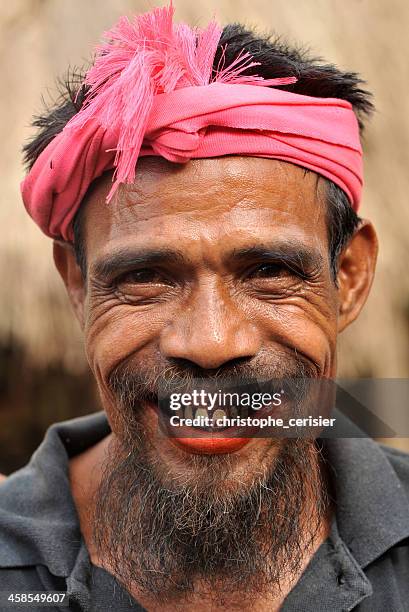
column 211, row 330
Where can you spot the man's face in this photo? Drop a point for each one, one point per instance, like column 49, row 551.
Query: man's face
column 217, row 264
column 217, row 269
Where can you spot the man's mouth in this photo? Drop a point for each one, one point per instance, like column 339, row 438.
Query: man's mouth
column 199, row 419
column 205, row 430
column 198, row 430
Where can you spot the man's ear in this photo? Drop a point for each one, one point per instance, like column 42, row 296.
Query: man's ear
column 356, row 271
column 66, row 264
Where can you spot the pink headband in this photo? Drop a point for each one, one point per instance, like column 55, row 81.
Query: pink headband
column 151, row 92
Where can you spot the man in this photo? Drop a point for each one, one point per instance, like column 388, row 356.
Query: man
column 201, row 189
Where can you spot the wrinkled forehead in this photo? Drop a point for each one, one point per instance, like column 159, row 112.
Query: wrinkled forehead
column 219, row 197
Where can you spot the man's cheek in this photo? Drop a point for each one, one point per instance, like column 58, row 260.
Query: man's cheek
column 118, row 334
column 302, row 328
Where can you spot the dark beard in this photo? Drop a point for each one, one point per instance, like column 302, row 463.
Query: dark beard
column 165, row 537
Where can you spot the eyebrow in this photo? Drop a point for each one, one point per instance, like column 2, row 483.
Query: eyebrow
column 124, row 259
column 294, row 255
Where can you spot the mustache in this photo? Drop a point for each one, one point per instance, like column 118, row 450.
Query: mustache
column 132, row 382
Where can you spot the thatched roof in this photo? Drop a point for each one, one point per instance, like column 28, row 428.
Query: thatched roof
column 39, row 39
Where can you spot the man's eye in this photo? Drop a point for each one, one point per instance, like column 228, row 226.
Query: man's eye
column 268, row 270
column 141, row 277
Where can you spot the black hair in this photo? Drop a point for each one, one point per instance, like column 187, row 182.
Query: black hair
column 276, row 59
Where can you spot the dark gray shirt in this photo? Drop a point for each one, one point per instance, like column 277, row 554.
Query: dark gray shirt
column 363, row 565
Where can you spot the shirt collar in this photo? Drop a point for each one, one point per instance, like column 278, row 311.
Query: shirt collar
column 38, row 519
column 39, row 522
column 372, row 506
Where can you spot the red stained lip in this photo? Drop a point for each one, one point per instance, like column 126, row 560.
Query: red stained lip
column 210, row 446
column 205, row 443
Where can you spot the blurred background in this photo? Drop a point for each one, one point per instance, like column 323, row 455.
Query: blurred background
column 43, row 372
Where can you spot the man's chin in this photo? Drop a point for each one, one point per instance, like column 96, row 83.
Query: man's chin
column 231, row 472
column 214, row 463
column 197, row 516
column 174, row 510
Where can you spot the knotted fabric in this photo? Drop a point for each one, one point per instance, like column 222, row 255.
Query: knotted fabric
column 230, row 115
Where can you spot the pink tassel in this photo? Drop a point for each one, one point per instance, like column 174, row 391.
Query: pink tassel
column 233, row 73
column 149, row 56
